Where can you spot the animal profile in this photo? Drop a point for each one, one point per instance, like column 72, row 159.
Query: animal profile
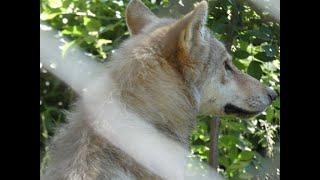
column 167, row 72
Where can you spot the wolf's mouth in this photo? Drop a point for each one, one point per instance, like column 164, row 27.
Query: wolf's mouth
column 234, row 110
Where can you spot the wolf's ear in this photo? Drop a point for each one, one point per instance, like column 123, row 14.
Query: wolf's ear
column 192, row 26
column 138, row 16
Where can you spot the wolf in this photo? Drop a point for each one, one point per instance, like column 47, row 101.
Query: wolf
column 167, row 72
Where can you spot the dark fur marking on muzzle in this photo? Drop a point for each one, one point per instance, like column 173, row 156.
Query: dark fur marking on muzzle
column 232, row 109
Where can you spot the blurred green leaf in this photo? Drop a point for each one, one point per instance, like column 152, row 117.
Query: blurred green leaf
column 263, row 57
column 239, row 165
column 228, row 140
column 241, row 54
column 91, row 24
column 239, row 64
column 255, row 70
column 246, row 155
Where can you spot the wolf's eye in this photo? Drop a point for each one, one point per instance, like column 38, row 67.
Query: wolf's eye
column 227, row 66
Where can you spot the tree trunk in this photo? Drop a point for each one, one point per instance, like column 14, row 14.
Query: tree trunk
column 214, row 136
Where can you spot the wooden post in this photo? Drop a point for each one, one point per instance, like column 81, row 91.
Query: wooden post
column 214, row 136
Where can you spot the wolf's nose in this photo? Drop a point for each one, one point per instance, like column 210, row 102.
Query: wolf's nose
column 272, row 94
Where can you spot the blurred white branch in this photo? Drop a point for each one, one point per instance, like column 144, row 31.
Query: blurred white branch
column 74, row 68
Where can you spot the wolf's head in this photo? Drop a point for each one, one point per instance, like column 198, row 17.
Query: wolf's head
column 200, row 59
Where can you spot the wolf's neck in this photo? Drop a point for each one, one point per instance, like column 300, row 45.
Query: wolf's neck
column 173, row 116
column 160, row 98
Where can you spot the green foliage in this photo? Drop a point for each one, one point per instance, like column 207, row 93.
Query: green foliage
column 98, row 26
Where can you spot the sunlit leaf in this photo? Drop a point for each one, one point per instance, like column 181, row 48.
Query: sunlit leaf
column 101, row 42
column 55, row 3
column 47, row 16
